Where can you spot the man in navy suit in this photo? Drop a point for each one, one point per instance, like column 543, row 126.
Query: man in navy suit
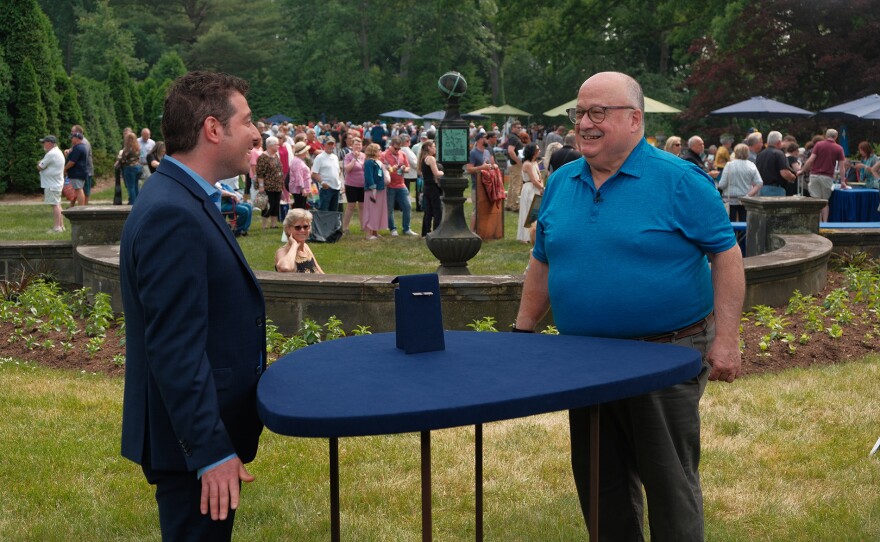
column 189, row 410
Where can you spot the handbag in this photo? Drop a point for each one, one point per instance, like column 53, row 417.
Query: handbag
column 67, row 190
column 261, row 202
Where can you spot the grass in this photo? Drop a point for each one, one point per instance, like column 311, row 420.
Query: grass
column 784, row 458
column 351, row 255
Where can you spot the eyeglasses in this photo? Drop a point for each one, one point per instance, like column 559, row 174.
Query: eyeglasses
column 302, row 227
column 597, row 113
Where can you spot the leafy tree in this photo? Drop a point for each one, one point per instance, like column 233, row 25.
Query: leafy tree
column 70, row 112
column 101, row 42
column 26, row 37
column 169, row 67
column 137, row 105
column 30, row 126
column 5, row 120
column 99, row 122
column 795, row 51
column 120, row 92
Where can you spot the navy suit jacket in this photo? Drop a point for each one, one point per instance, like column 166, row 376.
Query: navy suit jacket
column 194, row 328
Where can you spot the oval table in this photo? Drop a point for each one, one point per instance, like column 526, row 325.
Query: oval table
column 364, row 385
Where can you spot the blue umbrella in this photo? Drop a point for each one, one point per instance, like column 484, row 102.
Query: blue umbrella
column 275, row 119
column 864, row 108
column 760, row 107
column 434, row 115
column 400, row 114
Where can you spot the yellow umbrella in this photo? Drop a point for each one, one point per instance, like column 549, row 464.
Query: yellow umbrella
column 651, row 106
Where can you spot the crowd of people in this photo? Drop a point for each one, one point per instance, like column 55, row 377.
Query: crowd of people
column 375, row 170
column 189, row 414
column 778, row 167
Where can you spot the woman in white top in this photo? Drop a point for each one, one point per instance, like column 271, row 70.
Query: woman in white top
column 740, row 178
column 532, row 185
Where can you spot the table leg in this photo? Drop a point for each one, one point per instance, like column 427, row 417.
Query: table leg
column 594, row 473
column 334, row 489
column 478, row 479
column 426, row 486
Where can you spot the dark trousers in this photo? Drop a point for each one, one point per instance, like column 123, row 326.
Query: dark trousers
column 300, row 201
column 433, row 208
column 652, row 440
column 178, row 495
column 329, row 199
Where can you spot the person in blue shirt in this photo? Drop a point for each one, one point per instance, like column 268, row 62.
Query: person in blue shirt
column 624, row 239
column 76, row 167
column 231, row 200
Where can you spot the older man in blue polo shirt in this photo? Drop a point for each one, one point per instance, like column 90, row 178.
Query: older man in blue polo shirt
column 623, row 245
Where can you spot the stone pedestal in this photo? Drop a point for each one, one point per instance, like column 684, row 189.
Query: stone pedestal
column 453, row 243
column 768, row 216
column 95, row 225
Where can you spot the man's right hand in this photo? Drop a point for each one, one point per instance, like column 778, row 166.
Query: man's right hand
column 221, row 488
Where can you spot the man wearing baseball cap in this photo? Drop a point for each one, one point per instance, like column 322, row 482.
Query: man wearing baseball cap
column 76, row 166
column 51, row 169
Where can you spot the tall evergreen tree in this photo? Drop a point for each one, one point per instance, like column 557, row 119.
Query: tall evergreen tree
column 120, row 91
column 137, row 105
column 5, row 120
column 26, row 34
column 30, row 126
column 70, row 112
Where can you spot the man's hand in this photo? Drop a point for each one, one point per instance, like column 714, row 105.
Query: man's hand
column 220, row 488
column 725, row 359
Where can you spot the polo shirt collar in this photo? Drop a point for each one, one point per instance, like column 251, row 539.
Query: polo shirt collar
column 634, row 165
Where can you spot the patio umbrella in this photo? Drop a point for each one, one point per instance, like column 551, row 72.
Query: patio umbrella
column 440, row 115
column 275, row 119
column 759, row 107
column 500, row 110
column 867, row 108
column 651, row 106
column 400, row 114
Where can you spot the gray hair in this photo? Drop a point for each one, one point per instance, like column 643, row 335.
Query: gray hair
column 754, row 138
column 773, row 138
column 693, row 140
column 271, row 140
column 831, row 133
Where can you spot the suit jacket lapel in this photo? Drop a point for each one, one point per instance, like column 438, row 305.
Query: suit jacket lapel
column 182, row 178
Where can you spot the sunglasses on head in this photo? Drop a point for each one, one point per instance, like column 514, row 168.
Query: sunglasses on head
column 302, row 227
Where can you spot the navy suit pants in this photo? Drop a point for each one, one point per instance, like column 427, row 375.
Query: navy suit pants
column 178, row 495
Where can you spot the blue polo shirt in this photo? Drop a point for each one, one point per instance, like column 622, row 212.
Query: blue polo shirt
column 629, row 260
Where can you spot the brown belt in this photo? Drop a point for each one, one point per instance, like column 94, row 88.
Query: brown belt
column 682, row 333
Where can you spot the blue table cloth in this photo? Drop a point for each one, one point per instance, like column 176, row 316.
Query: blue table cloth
column 364, row 385
column 854, row 205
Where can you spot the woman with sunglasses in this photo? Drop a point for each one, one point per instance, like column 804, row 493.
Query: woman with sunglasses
column 296, row 256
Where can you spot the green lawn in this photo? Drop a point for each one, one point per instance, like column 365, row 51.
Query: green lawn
column 351, row 255
column 785, row 458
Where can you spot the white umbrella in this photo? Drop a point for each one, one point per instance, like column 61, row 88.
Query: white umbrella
column 651, row 106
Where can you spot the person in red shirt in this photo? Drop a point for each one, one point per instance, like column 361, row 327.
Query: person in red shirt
column 315, row 146
column 826, row 158
column 398, row 164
